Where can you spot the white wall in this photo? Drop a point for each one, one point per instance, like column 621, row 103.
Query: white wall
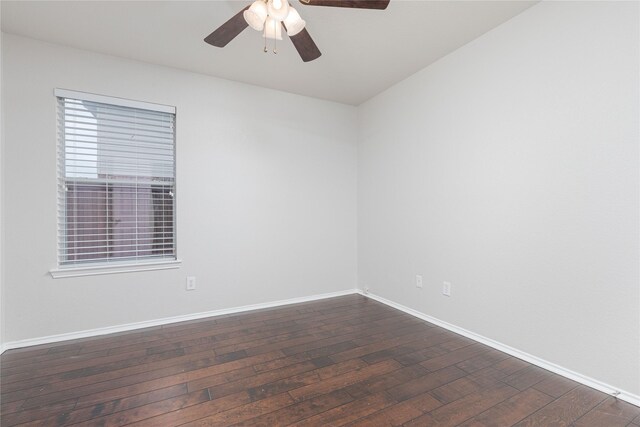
column 510, row 168
column 266, row 194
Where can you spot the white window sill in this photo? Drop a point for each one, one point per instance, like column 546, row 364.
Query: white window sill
column 94, row 270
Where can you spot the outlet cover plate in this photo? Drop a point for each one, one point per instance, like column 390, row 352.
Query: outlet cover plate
column 446, row 289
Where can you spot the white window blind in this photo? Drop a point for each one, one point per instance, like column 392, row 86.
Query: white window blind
column 116, row 191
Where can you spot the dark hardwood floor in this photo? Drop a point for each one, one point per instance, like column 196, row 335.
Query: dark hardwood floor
column 341, row 361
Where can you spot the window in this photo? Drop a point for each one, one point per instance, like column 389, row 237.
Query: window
column 116, row 187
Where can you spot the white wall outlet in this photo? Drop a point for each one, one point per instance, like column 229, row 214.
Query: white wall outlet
column 366, row 290
column 191, row 283
column 418, row 281
column 446, row 289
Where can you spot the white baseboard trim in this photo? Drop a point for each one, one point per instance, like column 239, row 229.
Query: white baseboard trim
column 575, row 376
column 164, row 321
column 534, row 360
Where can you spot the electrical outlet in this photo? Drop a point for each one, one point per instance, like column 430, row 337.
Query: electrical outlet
column 366, row 290
column 418, row 281
column 446, row 289
column 191, row 283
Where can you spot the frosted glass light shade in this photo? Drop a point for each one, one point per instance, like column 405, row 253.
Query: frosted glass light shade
column 273, row 29
column 293, row 22
column 278, row 9
column 256, row 15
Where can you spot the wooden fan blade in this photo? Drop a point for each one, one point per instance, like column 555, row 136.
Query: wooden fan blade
column 305, row 46
column 228, row 31
column 360, row 4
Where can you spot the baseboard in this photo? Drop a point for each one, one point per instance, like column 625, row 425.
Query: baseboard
column 575, row 376
column 534, row 360
column 164, row 321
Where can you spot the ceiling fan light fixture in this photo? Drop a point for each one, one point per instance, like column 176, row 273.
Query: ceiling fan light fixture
column 256, row 15
column 273, row 29
column 293, row 22
column 278, row 9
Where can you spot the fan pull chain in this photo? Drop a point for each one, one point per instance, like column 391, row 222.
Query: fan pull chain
column 275, row 36
column 265, row 42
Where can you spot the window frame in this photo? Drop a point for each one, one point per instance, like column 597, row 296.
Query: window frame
column 114, row 265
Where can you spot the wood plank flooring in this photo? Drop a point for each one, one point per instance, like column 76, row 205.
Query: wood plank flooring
column 347, row 361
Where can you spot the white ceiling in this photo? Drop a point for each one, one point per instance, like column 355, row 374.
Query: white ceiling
column 363, row 51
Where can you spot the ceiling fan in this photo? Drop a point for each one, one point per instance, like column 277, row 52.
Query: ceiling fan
column 270, row 16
